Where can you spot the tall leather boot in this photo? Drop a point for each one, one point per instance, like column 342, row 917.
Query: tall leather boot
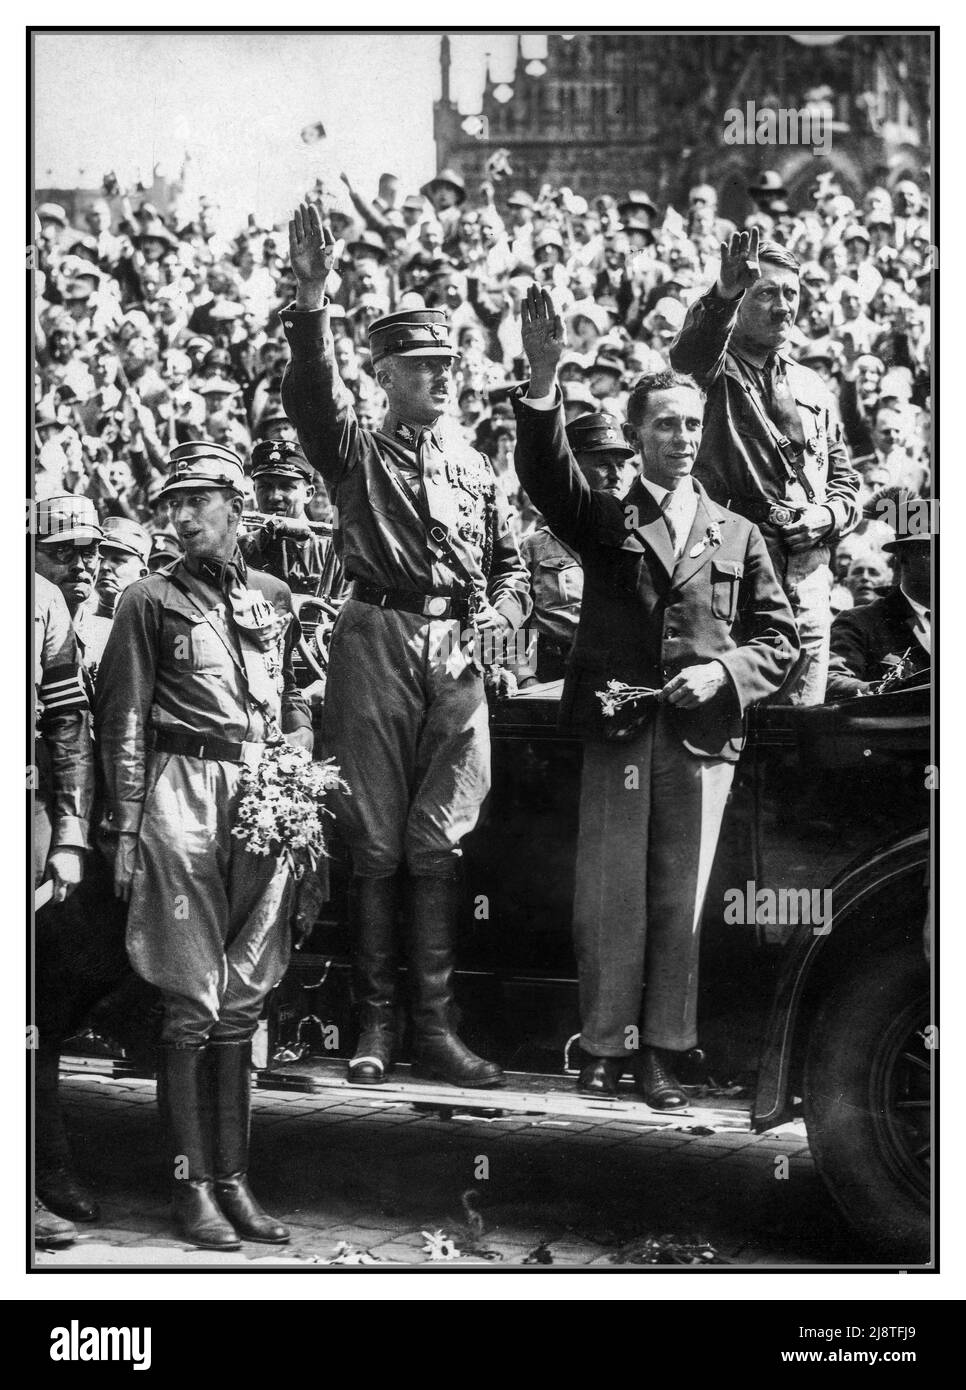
column 58, row 1186
column 231, row 1085
column 185, row 1112
column 439, row 1052
column 373, row 915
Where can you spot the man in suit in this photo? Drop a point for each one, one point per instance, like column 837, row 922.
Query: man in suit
column 680, row 597
column 772, row 446
column 871, row 640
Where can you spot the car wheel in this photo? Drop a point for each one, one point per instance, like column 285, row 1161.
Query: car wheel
column 868, row 1101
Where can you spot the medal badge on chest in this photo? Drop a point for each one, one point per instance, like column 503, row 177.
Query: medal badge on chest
column 260, row 622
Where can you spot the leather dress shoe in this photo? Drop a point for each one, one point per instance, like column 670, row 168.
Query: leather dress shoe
column 61, row 1191
column 600, row 1076
column 51, row 1232
column 656, row 1082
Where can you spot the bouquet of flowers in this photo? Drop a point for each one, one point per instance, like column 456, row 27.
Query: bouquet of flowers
column 618, row 694
column 282, row 810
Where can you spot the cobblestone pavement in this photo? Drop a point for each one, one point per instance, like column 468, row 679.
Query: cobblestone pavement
column 567, row 1192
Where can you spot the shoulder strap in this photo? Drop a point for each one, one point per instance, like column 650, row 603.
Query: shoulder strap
column 436, row 531
column 782, row 443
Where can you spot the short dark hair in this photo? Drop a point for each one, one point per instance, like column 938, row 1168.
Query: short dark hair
column 655, row 381
column 773, row 254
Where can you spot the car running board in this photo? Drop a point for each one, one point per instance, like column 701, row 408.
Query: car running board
column 525, row 1094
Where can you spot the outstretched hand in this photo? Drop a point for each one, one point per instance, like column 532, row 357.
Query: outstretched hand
column 312, row 251
column 739, row 264
column 543, row 339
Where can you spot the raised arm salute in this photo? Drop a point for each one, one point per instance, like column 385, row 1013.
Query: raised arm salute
column 424, row 536
column 772, row 446
column 679, row 597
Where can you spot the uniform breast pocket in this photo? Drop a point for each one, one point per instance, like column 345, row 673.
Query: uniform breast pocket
column 725, row 582
column 560, row 581
column 190, row 643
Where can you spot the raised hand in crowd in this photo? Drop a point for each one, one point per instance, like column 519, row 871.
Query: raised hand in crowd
column 543, row 339
column 312, row 250
column 739, row 264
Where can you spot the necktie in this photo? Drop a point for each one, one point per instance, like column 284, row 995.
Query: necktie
column 440, row 496
column 669, row 521
column 783, row 409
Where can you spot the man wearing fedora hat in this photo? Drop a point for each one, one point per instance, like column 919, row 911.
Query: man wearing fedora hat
column 766, row 190
column 425, row 539
column 196, row 676
column 447, row 193
column 894, row 631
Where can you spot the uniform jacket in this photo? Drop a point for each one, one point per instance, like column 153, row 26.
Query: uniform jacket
column 863, row 637
column 646, row 616
column 65, row 763
column 557, row 584
column 307, row 567
column 738, row 463
column 178, row 660
column 378, row 537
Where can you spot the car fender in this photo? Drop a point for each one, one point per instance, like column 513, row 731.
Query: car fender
column 873, row 878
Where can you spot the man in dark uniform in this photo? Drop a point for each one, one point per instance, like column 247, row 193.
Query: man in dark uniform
column 556, row 578
column 125, row 548
column 772, row 447
column 891, row 633
column 424, row 535
column 195, row 677
column 290, row 550
column 62, row 808
column 680, row 598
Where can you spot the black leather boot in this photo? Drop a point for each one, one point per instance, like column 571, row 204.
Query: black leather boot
column 374, row 910
column 231, row 1087
column 57, row 1184
column 439, row 1053
column 184, row 1103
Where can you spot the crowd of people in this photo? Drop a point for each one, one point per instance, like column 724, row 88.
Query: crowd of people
column 211, row 400
column 150, row 333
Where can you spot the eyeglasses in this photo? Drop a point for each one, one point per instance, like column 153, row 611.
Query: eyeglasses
column 64, row 554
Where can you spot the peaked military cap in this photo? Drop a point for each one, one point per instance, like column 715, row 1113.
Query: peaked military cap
column 597, row 434
column 413, row 333
column 120, row 533
column 199, row 464
column 66, row 517
column 282, row 457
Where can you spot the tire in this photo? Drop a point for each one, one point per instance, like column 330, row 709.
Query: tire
column 868, row 1094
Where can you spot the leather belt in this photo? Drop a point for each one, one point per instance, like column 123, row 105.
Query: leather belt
column 409, row 601
column 219, row 750
column 773, row 513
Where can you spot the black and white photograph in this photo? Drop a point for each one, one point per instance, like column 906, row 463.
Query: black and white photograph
column 482, row 542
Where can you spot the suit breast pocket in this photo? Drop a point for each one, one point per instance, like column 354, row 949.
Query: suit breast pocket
column 725, row 582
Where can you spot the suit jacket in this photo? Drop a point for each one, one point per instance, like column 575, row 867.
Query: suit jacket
column 738, row 461
column 863, row 637
column 645, row 616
